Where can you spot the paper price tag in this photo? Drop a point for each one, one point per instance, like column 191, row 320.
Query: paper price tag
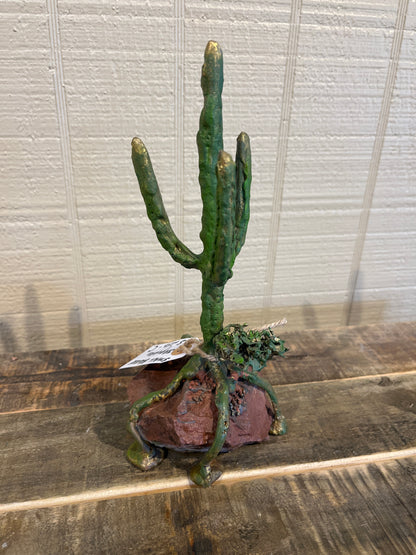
column 157, row 354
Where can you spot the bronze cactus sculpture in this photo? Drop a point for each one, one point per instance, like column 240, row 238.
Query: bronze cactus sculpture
column 232, row 353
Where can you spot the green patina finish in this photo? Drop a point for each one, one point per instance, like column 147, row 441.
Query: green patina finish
column 225, row 191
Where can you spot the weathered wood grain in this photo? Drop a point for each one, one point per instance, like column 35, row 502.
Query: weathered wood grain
column 331, row 485
column 345, row 352
column 82, row 449
column 34, row 396
column 68, row 363
column 65, row 378
column 362, row 509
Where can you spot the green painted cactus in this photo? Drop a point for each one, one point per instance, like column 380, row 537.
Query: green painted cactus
column 225, row 191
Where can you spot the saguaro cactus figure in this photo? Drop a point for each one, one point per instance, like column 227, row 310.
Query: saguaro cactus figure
column 225, row 191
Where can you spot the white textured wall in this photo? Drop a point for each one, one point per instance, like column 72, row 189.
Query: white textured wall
column 326, row 91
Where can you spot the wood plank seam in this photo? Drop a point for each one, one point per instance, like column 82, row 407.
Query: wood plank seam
column 277, row 387
column 162, row 486
column 348, row 379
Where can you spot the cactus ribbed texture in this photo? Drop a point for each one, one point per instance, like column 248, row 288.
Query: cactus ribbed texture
column 225, row 192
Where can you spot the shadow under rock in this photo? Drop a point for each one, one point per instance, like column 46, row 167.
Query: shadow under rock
column 111, row 429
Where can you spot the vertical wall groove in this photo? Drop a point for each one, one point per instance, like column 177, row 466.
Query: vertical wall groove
column 179, row 155
column 282, row 142
column 62, row 114
column 375, row 158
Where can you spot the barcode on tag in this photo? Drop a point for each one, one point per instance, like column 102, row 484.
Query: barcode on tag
column 158, row 354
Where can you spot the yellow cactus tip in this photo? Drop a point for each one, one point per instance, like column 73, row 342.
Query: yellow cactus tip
column 213, row 49
column 137, row 144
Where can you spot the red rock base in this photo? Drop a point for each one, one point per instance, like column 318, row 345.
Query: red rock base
column 186, row 421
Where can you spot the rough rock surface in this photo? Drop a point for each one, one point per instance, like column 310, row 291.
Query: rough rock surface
column 187, row 420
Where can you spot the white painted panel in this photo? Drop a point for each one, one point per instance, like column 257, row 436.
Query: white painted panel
column 40, row 295
column 37, row 331
column 340, row 77
column 389, row 260
column 134, row 327
column 20, row 31
column 33, row 186
column 37, row 291
column 325, row 173
column 388, row 265
column 124, row 264
column 119, row 79
column 119, row 82
column 398, row 303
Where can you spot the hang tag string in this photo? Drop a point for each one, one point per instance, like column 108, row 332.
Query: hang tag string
column 281, row 322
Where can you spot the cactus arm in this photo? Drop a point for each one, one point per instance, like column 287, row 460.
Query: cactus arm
column 156, row 210
column 243, row 174
column 278, row 427
column 143, row 455
column 226, row 197
column 210, row 143
column 187, row 372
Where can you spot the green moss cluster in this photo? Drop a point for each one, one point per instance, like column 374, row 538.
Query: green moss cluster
column 247, row 350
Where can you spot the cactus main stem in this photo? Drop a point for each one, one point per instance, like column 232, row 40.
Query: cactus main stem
column 210, row 143
column 212, row 315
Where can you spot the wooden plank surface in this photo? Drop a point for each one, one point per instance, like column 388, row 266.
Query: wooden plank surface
column 67, row 378
column 341, row 481
column 350, row 510
column 79, row 450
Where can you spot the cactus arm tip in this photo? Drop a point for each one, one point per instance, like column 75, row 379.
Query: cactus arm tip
column 213, row 49
column 136, row 143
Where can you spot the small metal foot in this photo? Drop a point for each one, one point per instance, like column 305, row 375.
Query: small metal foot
column 143, row 458
column 278, row 427
column 203, row 475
